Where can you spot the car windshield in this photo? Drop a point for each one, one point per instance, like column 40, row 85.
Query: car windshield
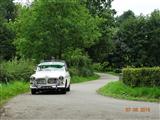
column 50, row 68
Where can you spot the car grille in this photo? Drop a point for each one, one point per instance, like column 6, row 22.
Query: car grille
column 52, row 80
column 41, row 81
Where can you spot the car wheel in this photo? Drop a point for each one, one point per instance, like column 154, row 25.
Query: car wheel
column 33, row 91
column 63, row 91
column 68, row 89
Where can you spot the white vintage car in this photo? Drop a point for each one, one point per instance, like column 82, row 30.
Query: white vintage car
column 50, row 76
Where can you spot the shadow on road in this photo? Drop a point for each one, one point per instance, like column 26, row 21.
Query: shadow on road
column 49, row 92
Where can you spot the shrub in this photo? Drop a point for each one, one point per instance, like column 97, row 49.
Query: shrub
column 105, row 67
column 97, row 67
column 16, row 70
column 141, row 76
column 117, row 70
column 73, row 71
column 84, row 71
column 79, row 62
column 77, row 58
column 102, row 67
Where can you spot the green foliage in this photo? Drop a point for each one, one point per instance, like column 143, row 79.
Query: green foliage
column 97, row 67
column 12, row 89
column 77, row 58
column 16, row 70
column 120, row 90
column 7, row 14
column 8, row 9
column 137, row 42
column 124, row 17
column 74, row 71
column 141, row 76
column 79, row 62
column 57, row 27
column 105, row 67
column 99, row 51
column 7, row 49
column 85, row 71
column 95, row 6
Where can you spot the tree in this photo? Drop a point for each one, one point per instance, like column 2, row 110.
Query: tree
column 49, row 27
column 7, row 14
column 125, row 16
column 152, row 37
column 8, row 9
column 137, row 42
column 102, row 8
column 98, row 7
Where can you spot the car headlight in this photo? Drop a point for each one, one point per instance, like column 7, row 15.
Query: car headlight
column 32, row 79
column 61, row 78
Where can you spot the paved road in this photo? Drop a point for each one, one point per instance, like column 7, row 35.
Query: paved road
column 82, row 103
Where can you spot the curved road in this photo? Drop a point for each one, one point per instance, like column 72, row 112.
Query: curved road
column 82, row 103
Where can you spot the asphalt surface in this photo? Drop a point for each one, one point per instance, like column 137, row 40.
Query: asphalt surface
column 81, row 103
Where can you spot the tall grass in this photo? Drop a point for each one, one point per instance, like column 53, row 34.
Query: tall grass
column 12, row 89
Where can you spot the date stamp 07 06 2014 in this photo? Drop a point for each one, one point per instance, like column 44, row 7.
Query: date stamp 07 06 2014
column 136, row 109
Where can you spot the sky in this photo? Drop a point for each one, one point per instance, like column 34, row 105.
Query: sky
column 137, row 6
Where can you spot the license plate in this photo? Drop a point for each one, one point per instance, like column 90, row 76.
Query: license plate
column 46, row 87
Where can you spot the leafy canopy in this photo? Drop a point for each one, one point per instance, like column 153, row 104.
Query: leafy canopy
column 49, row 27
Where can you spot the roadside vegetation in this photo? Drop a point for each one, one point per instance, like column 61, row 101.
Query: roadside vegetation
column 16, row 70
column 136, row 84
column 121, row 91
column 12, row 89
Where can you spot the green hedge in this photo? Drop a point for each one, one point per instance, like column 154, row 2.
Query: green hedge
column 137, row 77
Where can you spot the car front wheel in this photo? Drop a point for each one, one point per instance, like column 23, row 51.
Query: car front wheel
column 33, row 91
column 68, row 89
column 63, row 91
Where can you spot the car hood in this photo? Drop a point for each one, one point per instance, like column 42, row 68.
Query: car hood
column 50, row 74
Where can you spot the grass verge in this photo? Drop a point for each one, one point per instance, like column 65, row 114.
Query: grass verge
column 12, row 89
column 120, row 90
column 78, row 79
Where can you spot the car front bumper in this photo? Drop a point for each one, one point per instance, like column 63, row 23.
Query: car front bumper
column 47, row 87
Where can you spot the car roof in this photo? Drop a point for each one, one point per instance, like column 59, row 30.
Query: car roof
column 52, row 63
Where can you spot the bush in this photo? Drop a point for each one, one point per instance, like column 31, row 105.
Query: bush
column 74, row 71
column 117, row 70
column 79, row 62
column 104, row 67
column 97, row 67
column 16, row 70
column 85, row 71
column 141, row 76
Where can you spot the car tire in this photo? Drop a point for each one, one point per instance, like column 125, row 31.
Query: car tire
column 63, row 91
column 33, row 91
column 68, row 89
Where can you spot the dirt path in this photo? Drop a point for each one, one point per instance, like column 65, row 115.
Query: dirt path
column 82, row 103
